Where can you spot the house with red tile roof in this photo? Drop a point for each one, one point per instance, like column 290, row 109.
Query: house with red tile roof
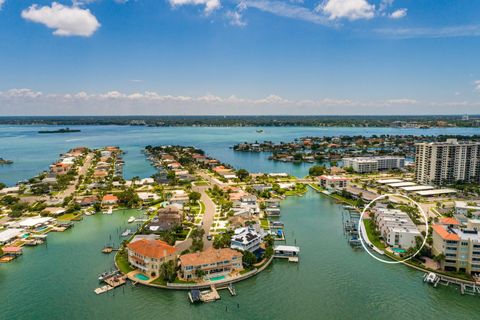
column 109, row 199
column 148, row 255
column 210, row 263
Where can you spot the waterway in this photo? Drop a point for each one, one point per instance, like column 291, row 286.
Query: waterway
column 332, row 281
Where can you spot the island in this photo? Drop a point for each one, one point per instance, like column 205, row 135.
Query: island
column 66, row 130
column 5, row 161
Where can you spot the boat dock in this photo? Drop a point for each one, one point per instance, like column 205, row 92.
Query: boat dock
column 465, row 288
column 112, row 280
column 195, row 295
column 286, row 252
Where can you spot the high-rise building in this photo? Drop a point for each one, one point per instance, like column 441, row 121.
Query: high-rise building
column 447, row 162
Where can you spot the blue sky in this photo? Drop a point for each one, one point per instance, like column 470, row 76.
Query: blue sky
column 239, row 57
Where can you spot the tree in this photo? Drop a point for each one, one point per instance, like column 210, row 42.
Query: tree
column 249, row 259
column 168, row 271
column 194, row 196
column 242, row 174
column 2, row 185
column 316, row 170
column 129, row 198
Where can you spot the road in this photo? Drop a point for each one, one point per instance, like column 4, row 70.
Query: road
column 208, row 215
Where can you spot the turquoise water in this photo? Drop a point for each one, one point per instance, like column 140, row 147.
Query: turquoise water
column 331, row 281
column 141, row 276
column 217, row 278
column 399, row 250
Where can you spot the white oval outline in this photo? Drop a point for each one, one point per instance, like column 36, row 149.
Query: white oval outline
column 360, row 230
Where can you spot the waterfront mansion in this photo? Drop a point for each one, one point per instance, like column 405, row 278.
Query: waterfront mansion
column 148, row 255
column 210, row 263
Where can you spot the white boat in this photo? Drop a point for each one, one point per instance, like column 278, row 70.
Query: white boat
column 131, row 219
column 109, row 211
column 431, row 277
column 126, row 233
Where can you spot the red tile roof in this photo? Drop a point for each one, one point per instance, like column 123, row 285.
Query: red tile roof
column 444, row 233
column 448, row 221
column 151, row 248
column 208, row 256
column 109, row 197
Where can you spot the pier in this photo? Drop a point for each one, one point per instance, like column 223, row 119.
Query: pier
column 465, row 288
column 113, row 280
column 211, row 295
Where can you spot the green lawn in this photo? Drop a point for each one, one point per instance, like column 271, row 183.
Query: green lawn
column 122, row 262
column 69, row 216
column 264, row 224
column 159, row 281
column 202, row 207
column 371, row 233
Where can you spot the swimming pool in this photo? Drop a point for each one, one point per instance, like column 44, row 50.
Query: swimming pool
column 141, row 276
column 217, row 278
column 398, row 250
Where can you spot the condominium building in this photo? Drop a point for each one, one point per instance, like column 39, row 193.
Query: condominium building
column 447, row 162
column 333, row 182
column 374, row 164
column 210, row 263
column 396, row 228
column 148, row 255
column 459, row 246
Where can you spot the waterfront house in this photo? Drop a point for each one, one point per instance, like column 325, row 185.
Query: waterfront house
column 247, row 239
column 8, row 235
column 148, row 255
column 109, row 199
column 210, row 263
column 166, row 219
column 88, row 201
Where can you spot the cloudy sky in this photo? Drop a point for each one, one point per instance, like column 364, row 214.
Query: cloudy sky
column 239, row 57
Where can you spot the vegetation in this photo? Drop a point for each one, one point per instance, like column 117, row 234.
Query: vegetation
column 168, row 271
column 317, row 170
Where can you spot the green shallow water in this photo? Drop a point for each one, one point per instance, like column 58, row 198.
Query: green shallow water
column 330, row 282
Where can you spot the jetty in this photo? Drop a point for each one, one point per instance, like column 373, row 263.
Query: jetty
column 196, row 296
column 286, row 252
column 465, row 287
column 112, row 281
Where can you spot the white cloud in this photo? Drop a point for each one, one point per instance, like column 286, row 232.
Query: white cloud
column 2, row 2
column 67, row 21
column 398, row 14
column 287, row 10
column 30, row 102
column 401, row 101
column 348, row 9
column 210, row 5
column 477, row 85
column 236, row 18
column 437, row 32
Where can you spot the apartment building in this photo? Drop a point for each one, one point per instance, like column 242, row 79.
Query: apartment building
column 374, row 164
column 396, row 228
column 447, row 162
column 333, row 182
column 459, row 246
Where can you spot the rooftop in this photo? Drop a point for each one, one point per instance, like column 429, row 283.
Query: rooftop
column 151, row 248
